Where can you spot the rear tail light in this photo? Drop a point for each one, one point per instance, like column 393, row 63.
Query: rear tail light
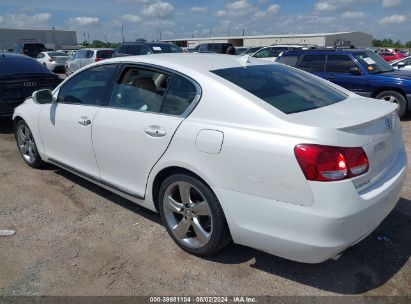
column 97, row 59
column 51, row 59
column 327, row 163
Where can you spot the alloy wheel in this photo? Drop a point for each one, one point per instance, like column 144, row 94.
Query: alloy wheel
column 188, row 214
column 392, row 99
column 26, row 144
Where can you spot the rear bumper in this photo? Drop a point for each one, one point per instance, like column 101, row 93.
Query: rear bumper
column 312, row 234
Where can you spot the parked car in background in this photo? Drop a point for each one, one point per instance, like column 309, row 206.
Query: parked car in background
column 251, row 50
column 54, row 61
column 20, row 76
column 144, row 48
column 360, row 71
column 84, row 57
column 391, row 56
column 31, row 49
column 270, row 53
column 402, row 64
column 219, row 48
column 262, row 154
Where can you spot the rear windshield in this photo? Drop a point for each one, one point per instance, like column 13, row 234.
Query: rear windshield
column 105, row 54
column 58, row 54
column 286, row 89
column 165, row 48
column 13, row 66
column 35, row 47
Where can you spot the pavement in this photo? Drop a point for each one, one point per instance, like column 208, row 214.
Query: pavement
column 75, row 238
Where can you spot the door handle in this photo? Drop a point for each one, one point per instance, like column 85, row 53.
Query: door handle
column 84, row 121
column 155, row 131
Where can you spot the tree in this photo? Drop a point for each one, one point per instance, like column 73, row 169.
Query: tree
column 408, row 44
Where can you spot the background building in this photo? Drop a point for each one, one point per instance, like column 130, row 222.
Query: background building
column 53, row 39
column 358, row 39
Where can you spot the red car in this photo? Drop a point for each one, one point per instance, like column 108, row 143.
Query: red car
column 391, row 56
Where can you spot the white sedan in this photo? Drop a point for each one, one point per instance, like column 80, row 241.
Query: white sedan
column 225, row 149
column 53, row 60
column 402, row 64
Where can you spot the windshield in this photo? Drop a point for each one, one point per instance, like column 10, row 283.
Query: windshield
column 165, row 48
column 372, row 62
column 286, row 89
column 18, row 66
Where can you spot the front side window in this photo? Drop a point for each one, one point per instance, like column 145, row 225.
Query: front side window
column 88, row 87
column 286, row 89
column 340, row 64
column 140, row 89
column 313, row 63
column 180, row 95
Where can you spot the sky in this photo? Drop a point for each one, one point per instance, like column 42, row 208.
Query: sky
column 103, row 19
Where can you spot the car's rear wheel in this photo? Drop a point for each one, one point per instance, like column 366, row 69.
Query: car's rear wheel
column 193, row 215
column 397, row 98
column 27, row 145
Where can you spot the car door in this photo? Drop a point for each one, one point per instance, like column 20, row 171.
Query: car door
column 89, row 58
column 338, row 70
column 66, row 124
column 133, row 131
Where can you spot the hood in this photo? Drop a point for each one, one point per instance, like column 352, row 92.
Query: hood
column 397, row 74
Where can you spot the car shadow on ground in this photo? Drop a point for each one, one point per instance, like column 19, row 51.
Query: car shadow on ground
column 364, row 267
column 6, row 125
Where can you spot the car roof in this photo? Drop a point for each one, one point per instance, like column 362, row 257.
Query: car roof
column 331, row 51
column 194, row 62
column 13, row 56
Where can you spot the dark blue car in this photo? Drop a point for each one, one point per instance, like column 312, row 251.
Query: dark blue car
column 360, row 71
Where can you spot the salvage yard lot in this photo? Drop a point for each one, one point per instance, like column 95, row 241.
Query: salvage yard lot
column 75, row 238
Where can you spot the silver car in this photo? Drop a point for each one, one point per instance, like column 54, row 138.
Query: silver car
column 402, row 64
column 86, row 56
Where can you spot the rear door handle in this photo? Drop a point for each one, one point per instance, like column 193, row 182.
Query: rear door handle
column 155, row 131
column 84, row 121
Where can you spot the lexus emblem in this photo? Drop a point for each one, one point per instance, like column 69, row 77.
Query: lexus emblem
column 30, row 84
column 388, row 123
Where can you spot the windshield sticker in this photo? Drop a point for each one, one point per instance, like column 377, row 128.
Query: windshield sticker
column 156, row 48
column 369, row 60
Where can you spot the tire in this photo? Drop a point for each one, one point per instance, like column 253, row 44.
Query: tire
column 27, row 145
column 395, row 97
column 204, row 229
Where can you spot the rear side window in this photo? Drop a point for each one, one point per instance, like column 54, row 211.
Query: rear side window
column 179, row 97
column 123, row 49
column 339, row 64
column 21, row 66
column 290, row 60
column 89, row 54
column 140, row 89
column 286, row 89
column 105, row 54
column 313, row 63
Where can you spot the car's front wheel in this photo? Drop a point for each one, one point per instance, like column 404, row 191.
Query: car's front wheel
column 397, row 98
column 27, row 145
column 193, row 215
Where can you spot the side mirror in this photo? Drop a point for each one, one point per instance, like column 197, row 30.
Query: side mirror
column 42, row 96
column 401, row 64
column 355, row 71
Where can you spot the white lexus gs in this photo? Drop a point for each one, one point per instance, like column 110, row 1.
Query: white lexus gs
column 225, row 149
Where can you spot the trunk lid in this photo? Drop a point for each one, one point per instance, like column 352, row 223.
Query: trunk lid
column 368, row 123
